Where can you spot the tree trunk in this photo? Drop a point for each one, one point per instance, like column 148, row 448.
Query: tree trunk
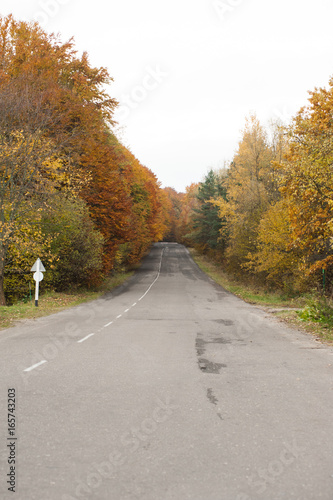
column 2, row 273
column 2, row 293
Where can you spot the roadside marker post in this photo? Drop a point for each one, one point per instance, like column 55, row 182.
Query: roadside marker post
column 38, row 270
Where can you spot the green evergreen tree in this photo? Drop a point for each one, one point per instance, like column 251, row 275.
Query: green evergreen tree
column 207, row 223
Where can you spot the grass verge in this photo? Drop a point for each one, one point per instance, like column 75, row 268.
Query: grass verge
column 253, row 295
column 305, row 312
column 53, row 302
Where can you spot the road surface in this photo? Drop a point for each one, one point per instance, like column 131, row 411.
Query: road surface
column 169, row 388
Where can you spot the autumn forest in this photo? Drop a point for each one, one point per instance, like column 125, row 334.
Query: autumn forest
column 72, row 194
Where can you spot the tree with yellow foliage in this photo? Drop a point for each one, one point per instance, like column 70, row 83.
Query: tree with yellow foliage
column 308, row 180
column 276, row 257
column 249, row 182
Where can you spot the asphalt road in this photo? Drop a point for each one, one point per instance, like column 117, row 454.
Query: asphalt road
column 168, row 389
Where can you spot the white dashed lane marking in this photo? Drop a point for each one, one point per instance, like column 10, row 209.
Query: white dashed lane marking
column 153, row 283
column 111, row 322
column 85, row 338
column 35, row 366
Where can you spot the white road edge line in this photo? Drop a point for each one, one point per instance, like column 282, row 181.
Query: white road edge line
column 85, row 338
column 35, row 366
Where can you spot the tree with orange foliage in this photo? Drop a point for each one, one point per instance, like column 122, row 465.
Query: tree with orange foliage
column 173, row 205
column 189, row 203
column 54, row 107
column 50, row 101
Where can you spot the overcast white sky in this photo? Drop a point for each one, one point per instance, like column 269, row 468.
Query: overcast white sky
column 188, row 72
